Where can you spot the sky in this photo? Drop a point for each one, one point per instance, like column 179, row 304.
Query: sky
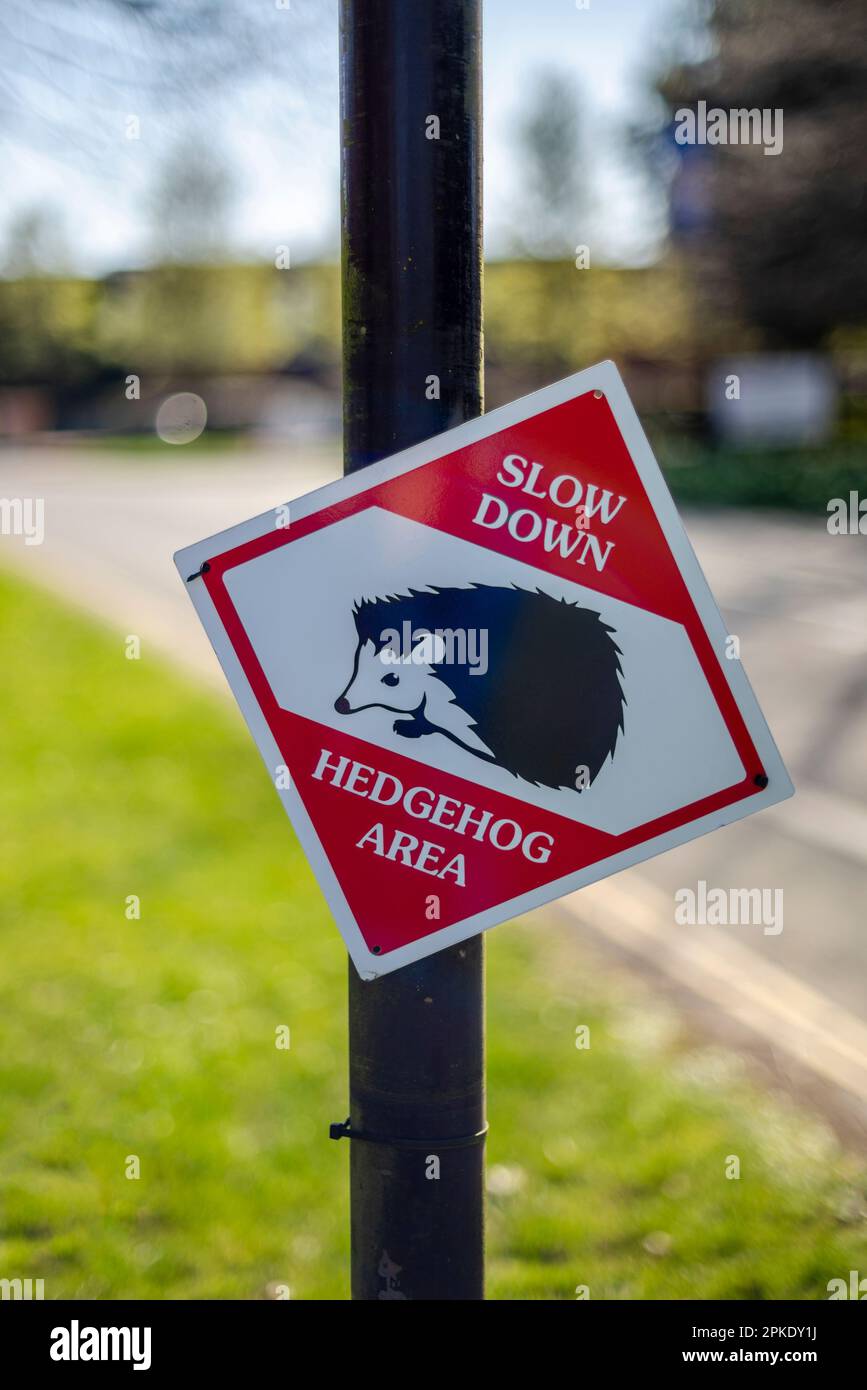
column 75, row 158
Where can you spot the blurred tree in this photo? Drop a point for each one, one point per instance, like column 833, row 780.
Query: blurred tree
column 784, row 240
column 183, row 301
column 46, row 318
column 35, row 242
column 190, row 203
column 548, row 216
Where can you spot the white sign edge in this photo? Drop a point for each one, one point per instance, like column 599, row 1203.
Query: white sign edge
column 605, row 377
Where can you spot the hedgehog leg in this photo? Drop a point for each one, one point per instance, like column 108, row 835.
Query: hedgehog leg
column 409, row 728
column 416, row 726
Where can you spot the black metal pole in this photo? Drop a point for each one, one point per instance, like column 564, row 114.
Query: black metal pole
column 412, row 349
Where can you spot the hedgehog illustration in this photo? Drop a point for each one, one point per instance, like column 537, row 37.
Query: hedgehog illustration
column 517, row 678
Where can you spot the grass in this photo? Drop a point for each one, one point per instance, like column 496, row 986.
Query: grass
column 801, row 480
column 155, row 1037
column 149, row 443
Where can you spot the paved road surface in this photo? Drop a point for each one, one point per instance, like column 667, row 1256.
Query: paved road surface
column 795, row 596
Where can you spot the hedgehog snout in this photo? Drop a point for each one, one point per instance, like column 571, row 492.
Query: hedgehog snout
column 342, row 705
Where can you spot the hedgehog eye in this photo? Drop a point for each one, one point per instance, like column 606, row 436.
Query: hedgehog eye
column 390, row 679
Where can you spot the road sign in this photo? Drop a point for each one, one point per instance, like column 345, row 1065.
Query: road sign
column 486, row 671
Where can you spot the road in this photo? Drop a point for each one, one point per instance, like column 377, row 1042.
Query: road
column 796, row 598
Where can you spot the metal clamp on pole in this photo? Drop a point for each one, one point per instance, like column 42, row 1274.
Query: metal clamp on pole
column 460, row 1141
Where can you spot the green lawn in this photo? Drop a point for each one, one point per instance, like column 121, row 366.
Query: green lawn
column 802, row 480
column 155, row 1037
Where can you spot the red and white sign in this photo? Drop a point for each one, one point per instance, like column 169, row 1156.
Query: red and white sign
column 486, row 671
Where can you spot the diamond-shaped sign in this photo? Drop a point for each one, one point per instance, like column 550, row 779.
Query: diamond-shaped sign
column 486, row 671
